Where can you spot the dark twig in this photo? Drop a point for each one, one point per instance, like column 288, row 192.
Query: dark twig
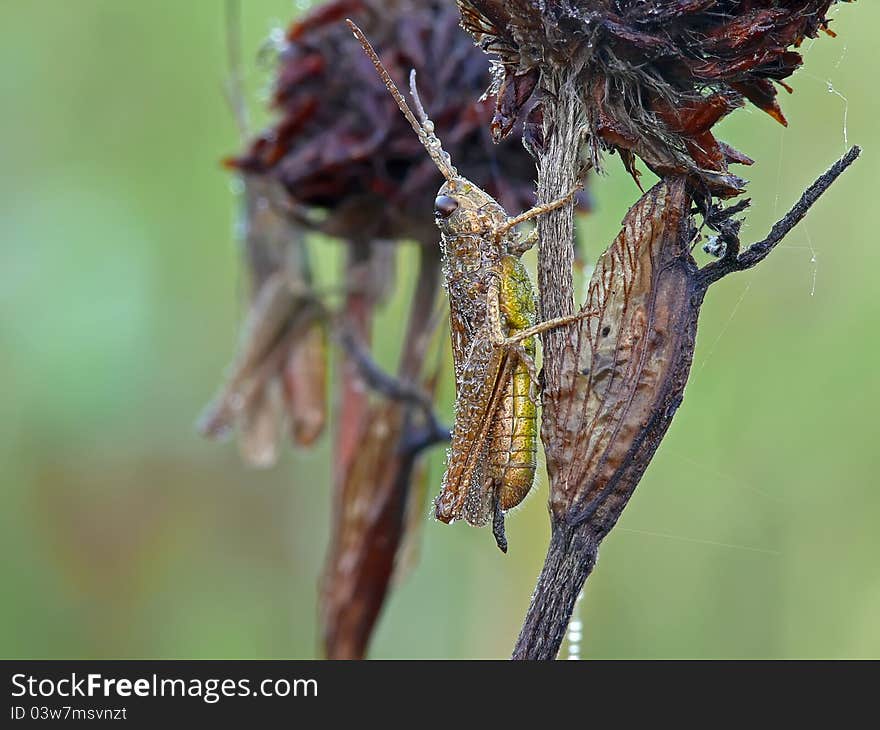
column 374, row 377
column 432, row 433
column 757, row 252
column 396, row 388
column 570, row 559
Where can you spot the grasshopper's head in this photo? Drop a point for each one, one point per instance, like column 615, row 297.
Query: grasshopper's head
column 461, row 207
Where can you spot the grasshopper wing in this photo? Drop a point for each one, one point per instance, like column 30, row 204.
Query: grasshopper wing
column 481, row 390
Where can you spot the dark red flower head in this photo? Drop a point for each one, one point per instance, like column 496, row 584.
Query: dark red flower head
column 341, row 149
column 654, row 75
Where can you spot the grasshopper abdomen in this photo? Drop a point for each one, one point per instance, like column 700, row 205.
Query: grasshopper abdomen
column 513, row 444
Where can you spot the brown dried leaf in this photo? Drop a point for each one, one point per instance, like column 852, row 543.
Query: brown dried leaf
column 283, row 329
column 304, row 380
column 626, row 366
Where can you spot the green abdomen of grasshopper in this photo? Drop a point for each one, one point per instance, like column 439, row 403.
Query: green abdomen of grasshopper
column 494, row 440
column 513, row 441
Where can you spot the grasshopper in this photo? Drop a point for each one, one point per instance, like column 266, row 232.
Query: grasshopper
column 492, row 459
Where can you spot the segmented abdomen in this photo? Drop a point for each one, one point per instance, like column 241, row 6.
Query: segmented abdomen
column 513, row 443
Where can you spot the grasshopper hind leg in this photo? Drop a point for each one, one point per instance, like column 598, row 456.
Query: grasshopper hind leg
column 498, row 525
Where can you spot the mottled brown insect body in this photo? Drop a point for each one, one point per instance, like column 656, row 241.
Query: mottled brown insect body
column 491, row 462
column 494, row 442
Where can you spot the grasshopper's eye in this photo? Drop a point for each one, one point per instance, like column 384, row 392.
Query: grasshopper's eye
column 444, row 206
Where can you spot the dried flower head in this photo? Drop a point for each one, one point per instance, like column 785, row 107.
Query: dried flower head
column 654, row 76
column 347, row 160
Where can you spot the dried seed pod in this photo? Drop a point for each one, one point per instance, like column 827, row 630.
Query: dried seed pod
column 622, row 376
column 281, row 339
column 654, row 76
column 626, row 365
column 368, row 527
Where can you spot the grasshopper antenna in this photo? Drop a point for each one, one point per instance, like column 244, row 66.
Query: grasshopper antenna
column 424, row 128
column 417, row 100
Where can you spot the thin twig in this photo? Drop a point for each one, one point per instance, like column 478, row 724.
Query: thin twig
column 757, row 252
column 384, row 383
column 403, row 387
column 235, row 83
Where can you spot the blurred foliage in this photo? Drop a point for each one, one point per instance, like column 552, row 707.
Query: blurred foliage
column 753, row 534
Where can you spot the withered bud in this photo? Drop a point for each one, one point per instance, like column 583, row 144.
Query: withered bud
column 628, row 362
column 348, row 161
column 279, row 372
column 623, row 376
column 654, row 76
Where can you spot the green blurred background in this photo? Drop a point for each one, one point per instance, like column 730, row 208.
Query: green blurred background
column 123, row 534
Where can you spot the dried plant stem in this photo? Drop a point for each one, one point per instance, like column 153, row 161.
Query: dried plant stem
column 570, row 559
column 374, row 485
column 558, row 168
column 353, row 398
column 757, row 252
column 419, row 330
column 572, row 551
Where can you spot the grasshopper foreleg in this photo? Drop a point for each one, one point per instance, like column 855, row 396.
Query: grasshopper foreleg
column 534, row 213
